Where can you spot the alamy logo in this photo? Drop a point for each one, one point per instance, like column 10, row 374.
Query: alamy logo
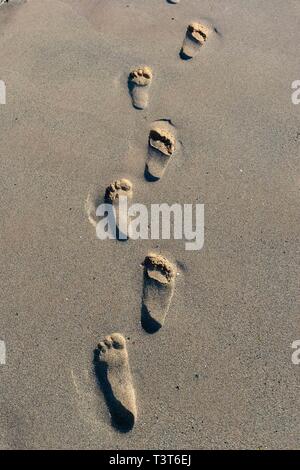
column 296, row 93
column 180, row 222
column 2, row 92
column 296, row 353
column 2, row 353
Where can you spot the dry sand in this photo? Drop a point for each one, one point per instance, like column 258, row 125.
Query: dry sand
column 219, row 373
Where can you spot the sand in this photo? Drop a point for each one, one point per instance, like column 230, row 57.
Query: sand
column 218, row 374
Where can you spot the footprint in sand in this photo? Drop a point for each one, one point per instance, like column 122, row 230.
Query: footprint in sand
column 159, row 284
column 139, row 82
column 195, row 37
column 114, row 376
column 161, row 147
column 114, row 191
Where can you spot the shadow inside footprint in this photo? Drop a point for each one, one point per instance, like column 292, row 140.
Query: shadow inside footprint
column 183, row 56
column 148, row 176
column 121, row 418
column 130, row 85
column 148, row 323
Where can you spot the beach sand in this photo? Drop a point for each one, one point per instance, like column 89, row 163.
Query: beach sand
column 218, row 374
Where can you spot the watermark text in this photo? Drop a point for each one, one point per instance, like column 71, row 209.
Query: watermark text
column 162, row 221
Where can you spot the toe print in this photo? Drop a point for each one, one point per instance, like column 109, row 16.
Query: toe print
column 162, row 140
column 122, row 187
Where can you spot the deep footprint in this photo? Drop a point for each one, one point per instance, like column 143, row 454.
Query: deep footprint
column 195, row 37
column 121, row 187
column 159, row 284
column 139, row 82
column 114, row 376
column 162, row 146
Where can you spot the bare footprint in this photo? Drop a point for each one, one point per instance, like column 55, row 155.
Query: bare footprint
column 113, row 372
column 195, row 37
column 139, row 83
column 113, row 193
column 161, row 147
column 159, row 284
